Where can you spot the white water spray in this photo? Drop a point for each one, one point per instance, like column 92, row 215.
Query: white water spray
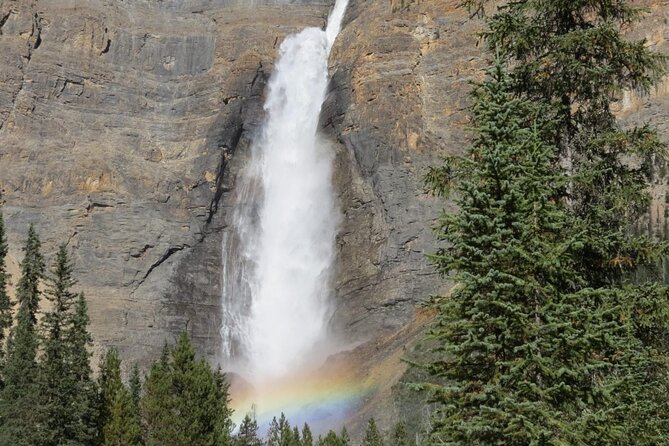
column 278, row 253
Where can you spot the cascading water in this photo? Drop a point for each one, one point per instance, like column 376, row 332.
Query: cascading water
column 280, row 247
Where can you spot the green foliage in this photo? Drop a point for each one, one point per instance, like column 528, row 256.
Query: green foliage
column 400, row 436
column 21, row 411
column 280, row 433
column 575, row 265
column 123, row 427
column 331, row 439
column 32, row 272
column 248, row 433
column 135, row 387
column 5, row 302
column 525, row 350
column 110, row 384
column 307, row 436
column 67, row 390
column 345, row 438
column 185, row 402
column 372, row 435
column 573, row 57
column 120, row 420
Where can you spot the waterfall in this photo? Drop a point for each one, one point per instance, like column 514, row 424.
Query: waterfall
column 280, row 247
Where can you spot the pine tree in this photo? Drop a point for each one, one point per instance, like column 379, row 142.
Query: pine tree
column 296, row 440
column 524, row 349
column 185, row 402
column 32, row 273
column 400, row 436
column 248, row 433
column 119, row 420
column 574, row 56
column 110, row 384
column 273, row 433
column 372, row 435
column 280, row 433
column 84, row 409
column 21, row 414
column 66, row 387
column 157, row 405
column 123, row 427
column 5, row 302
column 135, row 386
column 307, row 436
column 330, row 439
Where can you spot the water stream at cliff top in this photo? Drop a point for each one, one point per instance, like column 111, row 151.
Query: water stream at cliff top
column 280, row 247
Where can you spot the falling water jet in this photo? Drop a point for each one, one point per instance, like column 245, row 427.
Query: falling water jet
column 280, row 248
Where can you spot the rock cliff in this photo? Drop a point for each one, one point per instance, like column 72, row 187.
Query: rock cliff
column 117, row 122
column 124, row 122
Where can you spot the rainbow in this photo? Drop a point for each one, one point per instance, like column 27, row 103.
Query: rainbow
column 322, row 401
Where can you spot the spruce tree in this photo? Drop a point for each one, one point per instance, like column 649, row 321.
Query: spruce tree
column 110, row 385
column 135, row 388
column 135, row 385
column 123, row 427
column 345, row 438
column 5, row 302
column 21, row 414
column 400, row 436
column 185, row 401
column 295, row 437
column 372, row 435
column 248, row 433
column 574, row 56
column 307, row 436
column 119, row 419
column 273, row 433
column 68, row 395
column 330, row 439
column 84, row 409
column 525, row 351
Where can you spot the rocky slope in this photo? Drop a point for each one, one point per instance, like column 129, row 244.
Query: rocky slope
column 123, row 124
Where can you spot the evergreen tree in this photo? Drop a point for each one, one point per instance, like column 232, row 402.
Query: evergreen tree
column 123, row 427
column 110, row 385
column 280, row 433
column 157, row 405
column 330, row 439
column 248, row 433
column 400, row 436
column 372, row 435
column 135, row 386
column 68, row 395
column 32, row 273
column 5, row 302
column 185, row 402
column 295, row 437
column 307, row 436
column 21, row 414
column 574, row 56
column 345, row 438
column 524, row 350
column 84, row 409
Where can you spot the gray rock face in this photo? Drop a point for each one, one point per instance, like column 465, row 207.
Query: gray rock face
column 117, row 120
